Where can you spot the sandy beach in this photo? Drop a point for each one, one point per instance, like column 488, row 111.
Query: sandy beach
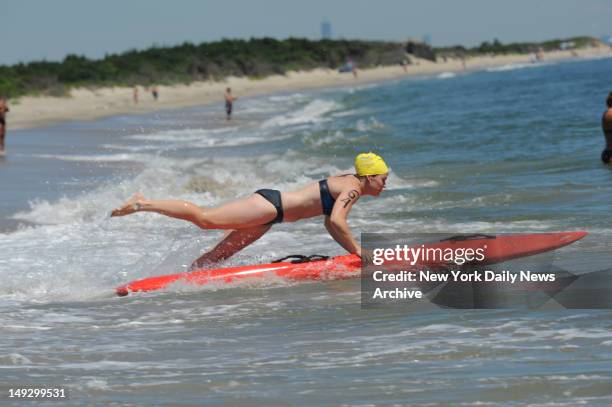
column 88, row 104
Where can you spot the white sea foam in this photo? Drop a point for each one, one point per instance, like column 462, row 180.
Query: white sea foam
column 95, row 158
column 75, row 235
column 313, row 112
column 132, row 148
column 14, row 359
column 395, row 182
column 347, row 113
column 97, row 384
column 446, row 75
column 287, row 98
column 200, row 138
column 359, row 88
column 326, row 140
column 271, row 104
column 370, row 124
column 182, row 135
column 514, row 67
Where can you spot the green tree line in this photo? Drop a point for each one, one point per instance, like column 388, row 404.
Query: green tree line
column 185, row 63
column 496, row 47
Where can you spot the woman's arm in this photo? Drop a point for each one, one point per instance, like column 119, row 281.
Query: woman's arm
column 337, row 225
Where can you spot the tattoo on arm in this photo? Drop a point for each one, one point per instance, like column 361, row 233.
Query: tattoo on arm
column 353, row 195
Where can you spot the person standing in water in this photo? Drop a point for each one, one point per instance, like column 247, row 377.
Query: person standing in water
column 3, row 111
column 229, row 103
column 606, row 126
column 247, row 219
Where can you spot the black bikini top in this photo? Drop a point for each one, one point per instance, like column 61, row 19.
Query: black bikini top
column 327, row 200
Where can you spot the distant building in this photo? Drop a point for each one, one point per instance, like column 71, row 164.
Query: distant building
column 607, row 39
column 326, row 30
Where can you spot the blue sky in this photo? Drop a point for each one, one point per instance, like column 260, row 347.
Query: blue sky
column 40, row 29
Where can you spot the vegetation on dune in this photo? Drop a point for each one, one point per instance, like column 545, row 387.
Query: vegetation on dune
column 256, row 58
column 496, row 47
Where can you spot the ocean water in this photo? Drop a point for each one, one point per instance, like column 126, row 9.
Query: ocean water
column 510, row 149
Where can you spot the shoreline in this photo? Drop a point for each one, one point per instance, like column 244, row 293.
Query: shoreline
column 90, row 104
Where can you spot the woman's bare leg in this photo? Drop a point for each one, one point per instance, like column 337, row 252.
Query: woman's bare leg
column 172, row 208
column 233, row 241
column 240, row 214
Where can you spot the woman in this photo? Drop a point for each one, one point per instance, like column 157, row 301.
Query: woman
column 4, row 109
column 606, row 125
column 229, row 103
column 247, row 219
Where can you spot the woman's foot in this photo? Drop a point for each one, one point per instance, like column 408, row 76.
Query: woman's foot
column 130, row 206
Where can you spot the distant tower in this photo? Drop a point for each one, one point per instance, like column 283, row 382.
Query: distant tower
column 326, row 31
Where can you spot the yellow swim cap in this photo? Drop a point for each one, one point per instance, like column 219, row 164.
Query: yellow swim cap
column 370, row 164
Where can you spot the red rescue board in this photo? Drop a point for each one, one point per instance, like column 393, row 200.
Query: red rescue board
column 498, row 249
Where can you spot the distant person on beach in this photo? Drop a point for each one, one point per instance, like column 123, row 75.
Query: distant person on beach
column 606, row 126
column 135, row 95
column 349, row 66
column 154, row 92
column 249, row 218
column 3, row 110
column 229, row 103
column 353, row 68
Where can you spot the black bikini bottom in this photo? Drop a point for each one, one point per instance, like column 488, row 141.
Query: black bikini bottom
column 274, row 197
